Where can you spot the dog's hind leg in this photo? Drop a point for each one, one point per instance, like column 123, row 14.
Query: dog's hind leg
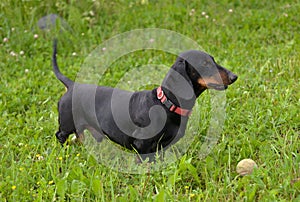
column 66, row 127
column 65, row 119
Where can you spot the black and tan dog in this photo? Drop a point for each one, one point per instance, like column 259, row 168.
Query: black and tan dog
column 146, row 121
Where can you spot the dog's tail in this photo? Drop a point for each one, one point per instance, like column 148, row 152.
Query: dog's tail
column 66, row 81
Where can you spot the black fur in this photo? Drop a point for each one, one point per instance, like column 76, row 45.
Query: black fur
column 95, row 108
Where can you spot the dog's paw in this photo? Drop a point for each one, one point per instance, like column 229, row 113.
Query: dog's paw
column 61, row 137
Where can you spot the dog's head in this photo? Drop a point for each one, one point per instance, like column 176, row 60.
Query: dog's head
column 200, row 71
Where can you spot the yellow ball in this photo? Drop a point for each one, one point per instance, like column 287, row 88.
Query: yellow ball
column 245, row 167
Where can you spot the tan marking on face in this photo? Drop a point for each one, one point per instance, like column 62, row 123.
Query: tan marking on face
column 204, row 81
column 220, row 79
column 201, row 82
column 224, row 78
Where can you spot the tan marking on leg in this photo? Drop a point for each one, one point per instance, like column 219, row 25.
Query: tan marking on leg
column 80, row 138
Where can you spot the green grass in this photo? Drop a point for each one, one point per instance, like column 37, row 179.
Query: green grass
column 259, row 41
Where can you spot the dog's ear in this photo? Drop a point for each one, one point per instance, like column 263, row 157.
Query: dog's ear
column 177, row 80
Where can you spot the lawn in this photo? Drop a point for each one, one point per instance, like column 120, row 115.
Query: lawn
column 258, row 39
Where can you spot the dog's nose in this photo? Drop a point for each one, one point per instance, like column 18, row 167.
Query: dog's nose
column 233, row 77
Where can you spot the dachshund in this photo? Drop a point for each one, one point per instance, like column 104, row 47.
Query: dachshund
column 145, row 121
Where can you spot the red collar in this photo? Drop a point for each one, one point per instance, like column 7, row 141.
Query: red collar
column 173, row 108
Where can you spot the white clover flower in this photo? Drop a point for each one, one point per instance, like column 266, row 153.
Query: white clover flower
column 39, row 157
column 92, row 13
column 192, row 12
column 12, row 53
